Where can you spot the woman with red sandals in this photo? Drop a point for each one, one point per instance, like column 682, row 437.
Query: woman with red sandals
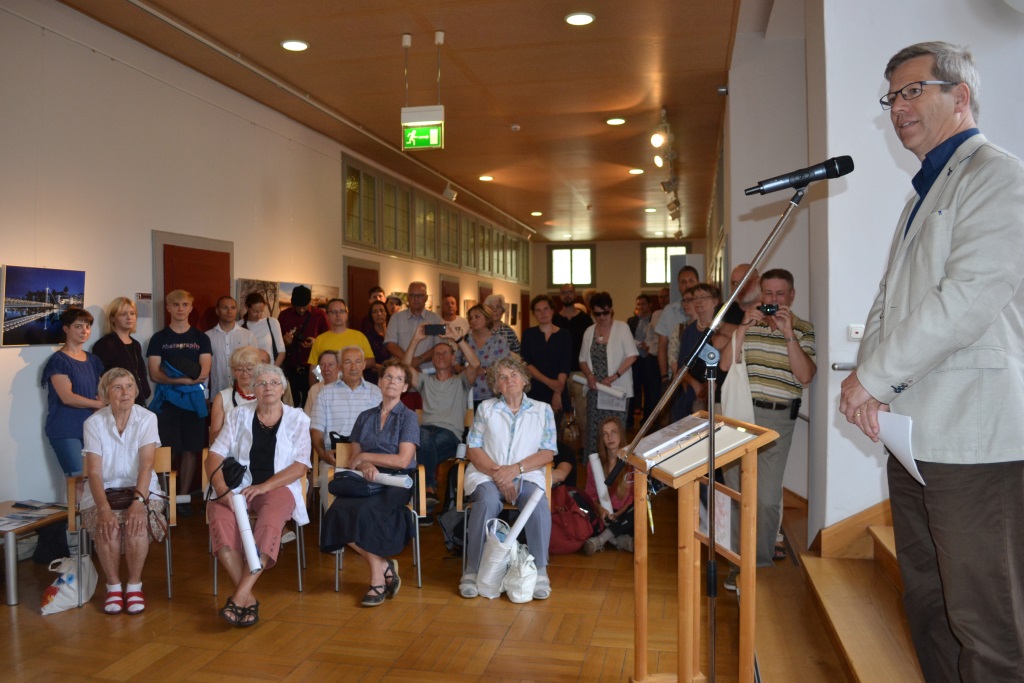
column 272, row 441
column 120, row 443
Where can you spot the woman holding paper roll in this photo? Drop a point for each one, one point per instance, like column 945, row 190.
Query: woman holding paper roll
column 510, row 443
column 616, row 501
column 272, row 441
column 384, row 440
column 606, row 357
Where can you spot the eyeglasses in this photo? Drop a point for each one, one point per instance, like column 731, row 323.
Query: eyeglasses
column 263, row 385
column 601, row 314
column 244, row 368
column 122, row 387
column 388, row 379
column 911, row 91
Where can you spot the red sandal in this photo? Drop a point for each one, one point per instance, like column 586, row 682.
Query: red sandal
column 136, row 602
column 114, row 604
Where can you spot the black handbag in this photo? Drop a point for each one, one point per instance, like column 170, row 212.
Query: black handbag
column 233, row 472
column 121, row 498
column 349, row 484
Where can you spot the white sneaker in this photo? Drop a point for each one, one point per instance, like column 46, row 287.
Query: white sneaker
column 288, row 537
column 624, row 543
column 592, row 545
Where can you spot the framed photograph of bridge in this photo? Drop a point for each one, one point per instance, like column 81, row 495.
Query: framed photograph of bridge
column 34, row 298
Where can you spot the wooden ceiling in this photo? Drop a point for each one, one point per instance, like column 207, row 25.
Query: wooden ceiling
column 526, row 95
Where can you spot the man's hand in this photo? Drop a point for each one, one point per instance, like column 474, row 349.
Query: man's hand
column 859, row 407
column 784, row 321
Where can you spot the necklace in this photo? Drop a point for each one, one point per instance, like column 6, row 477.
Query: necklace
column 247, row 397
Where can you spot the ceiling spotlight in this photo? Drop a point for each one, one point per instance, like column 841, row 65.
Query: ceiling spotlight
column 536, row 214
column 658, row 161
column 668, row 185
column 579, row 18
column 673, row 205
column 657, row 140
column 636, row 171
column 615, row 122
column 649, row 210
column 449, row 193
column 295, row 45
column 486, row 178
column 678, row 235
column 674, row 215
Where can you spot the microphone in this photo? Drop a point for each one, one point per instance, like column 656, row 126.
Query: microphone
column 833, row 168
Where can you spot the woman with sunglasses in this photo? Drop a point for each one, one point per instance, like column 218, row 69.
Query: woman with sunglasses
column 606, row 357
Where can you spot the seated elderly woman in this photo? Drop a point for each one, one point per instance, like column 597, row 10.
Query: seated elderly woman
column 377, row 526
column 511, row 441
column 272, row 441
column 120, row 441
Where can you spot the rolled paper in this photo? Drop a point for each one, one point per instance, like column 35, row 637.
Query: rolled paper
column 611, row 391
column 524, row 516
column 402, row 481
column 602, row 489
column 252, row 556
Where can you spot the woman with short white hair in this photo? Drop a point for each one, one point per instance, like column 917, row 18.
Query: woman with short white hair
column 495, row 303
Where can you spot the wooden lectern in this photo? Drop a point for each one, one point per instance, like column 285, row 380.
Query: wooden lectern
column 690, row 539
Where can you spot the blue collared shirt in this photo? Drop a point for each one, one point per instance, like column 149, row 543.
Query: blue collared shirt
column 932, row 167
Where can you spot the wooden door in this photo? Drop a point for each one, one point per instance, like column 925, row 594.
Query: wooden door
column 449, row 288
column 358, row 283
column 206, row 274
column 524, row 310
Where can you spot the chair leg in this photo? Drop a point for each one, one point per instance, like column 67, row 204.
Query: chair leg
column 170, row 565
column 298, row 552
column 82, row 540
column 416, row 554
column 338, row 560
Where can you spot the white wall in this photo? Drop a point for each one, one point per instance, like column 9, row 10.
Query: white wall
column 105, row 141
column 766, row 135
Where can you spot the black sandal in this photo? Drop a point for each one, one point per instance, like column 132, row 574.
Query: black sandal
column 244, row 613
column 231, row 613
column 375, row 596
column 392, row 581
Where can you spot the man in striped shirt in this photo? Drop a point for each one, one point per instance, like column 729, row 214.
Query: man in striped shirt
column 779, row 350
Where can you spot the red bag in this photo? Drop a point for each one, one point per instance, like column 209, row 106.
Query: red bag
column 574, row 519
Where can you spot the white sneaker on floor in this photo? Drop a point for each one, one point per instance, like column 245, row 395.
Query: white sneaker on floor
column 592, row 545
column 624, row 543
column 288, row 537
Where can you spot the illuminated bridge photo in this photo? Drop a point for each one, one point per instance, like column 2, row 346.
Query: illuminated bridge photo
column 34, row 298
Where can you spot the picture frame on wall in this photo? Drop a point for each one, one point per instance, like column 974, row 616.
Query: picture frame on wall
column 270, row 291
column 34, row 299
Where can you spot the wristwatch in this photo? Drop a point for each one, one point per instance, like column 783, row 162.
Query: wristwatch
column 140, row 499
column 522, row 470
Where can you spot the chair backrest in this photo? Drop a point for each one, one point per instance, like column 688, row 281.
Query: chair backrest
column 162, row 465
column 342, row 454
column 73, row 501
column 468, row 420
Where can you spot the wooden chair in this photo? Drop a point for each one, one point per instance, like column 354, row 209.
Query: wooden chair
column 445, row 466
column 300, row 541
column 417, row 507
column 462, row 504
column 169, row 480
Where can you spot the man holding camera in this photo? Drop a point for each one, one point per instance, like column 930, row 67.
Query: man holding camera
column 779, row 350
column 403, row 326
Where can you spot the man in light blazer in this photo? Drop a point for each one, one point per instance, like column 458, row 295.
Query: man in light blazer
column 944, row 344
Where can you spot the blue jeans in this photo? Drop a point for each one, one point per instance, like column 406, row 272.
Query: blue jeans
column 69, row 455
column 436, row 444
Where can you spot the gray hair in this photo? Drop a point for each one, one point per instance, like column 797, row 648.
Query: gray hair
column 341, row 352
column 495, row 299
column 336, row 354
column 512, row 361
column 953, row 63
column 109, row 377
column 269, row 369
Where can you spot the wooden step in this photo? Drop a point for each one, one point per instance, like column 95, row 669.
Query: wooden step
column 885, row 554
column 863, row 613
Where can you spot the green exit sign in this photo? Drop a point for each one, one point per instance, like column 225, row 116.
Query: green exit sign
column 423, row 137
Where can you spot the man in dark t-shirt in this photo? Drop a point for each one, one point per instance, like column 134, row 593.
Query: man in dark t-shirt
column 179, row 358
column 300, row 325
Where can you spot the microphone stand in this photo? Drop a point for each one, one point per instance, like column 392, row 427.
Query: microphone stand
column 710, row 356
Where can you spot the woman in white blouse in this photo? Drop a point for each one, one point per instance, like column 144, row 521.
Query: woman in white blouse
column 510, row 443
column 606, row 357
column 266, row 329
column 120, row 442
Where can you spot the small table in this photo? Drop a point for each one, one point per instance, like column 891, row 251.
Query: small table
column 11, row 542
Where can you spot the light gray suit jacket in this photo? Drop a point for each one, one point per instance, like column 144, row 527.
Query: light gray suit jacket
column 944, row 341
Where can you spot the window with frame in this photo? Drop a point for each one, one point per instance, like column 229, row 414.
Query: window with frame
column 468, row 243
column 448, row 228
column 499, row 253
column 483, row 247
column 513, row 258
column 360, row 195
column 395, row 217
column 571, row 264
column 524, row 261
column 657, row 264
column 425, row 228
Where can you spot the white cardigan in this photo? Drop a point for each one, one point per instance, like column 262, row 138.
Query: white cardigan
column 620, row 345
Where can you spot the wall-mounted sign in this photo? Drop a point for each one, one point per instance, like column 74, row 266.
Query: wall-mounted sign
column 423, row 127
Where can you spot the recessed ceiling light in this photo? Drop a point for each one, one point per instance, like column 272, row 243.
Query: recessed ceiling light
column 536, row 213
column 659, row 233
column 657, row 140
column 567, row 235
column 649, row 210
column 615, row 122
column 486, row 178
column 579, row 18
column 636, row 171
column 658, row 161
column 295, row 45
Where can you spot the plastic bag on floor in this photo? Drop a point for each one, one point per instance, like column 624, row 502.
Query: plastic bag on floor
column 495, row 559
column 63, row 593
column 521, row 578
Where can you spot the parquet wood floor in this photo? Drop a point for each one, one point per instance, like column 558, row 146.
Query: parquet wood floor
column 583, row 633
